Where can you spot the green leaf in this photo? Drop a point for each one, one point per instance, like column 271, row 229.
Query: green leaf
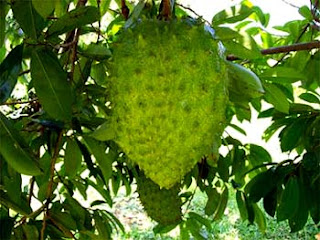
column 306, row 12
column 160, row 229
column 204, row 221
column 260, row 185
column 72, row 158
column 97, row 52
column 50, row 82
column 212, row 202
column 21, row 207
column 9, row 72
column 258, row 155
column 195, row 229
column 291, row 134
column 246, row 49
column 28, row 18
column 104, row 160
column 225, row 33
column 44, row 8
column 260, row 218
column 276, row 97
column 309, row 97
column 270, row 202
column 74, row 19
column 232, row 15
column 30, row 232
column 289, row 202
column 3, row 12
column 65, row 219
column 241, row 202
column 104, row 132
column 300, row 217
column 15, row 151
column 282, row 74
column 223, row 169
column 102, row 227
column 6, row 223
column 222, row 204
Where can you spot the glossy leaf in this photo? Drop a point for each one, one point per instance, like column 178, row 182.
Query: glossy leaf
column 15, row 151
column 258, row 155
column 28, row 18
column 74, row 19
column 9, row 72
column 50, row 82
column 72, row 158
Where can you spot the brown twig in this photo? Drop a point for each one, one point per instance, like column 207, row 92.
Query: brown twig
column 194, row 12
column 284, row 49
column 24, row 72
column 50, row 184
column 124, row 10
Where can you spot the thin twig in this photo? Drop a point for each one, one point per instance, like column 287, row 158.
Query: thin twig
column 194, row 12
column 50, row 184
column 19, row 102
column 284, row 49
column 24, row 72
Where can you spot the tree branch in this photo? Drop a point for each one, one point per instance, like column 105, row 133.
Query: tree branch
column 284, row 49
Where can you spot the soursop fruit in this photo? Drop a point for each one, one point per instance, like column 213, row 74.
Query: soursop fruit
column 162, row 205
column 168, row 93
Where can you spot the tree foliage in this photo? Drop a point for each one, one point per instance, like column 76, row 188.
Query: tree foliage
column 54, row 106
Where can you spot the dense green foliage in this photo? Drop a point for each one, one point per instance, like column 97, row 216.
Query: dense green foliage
column 56, row 102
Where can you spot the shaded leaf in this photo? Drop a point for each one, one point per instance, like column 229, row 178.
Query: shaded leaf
column 3, row 12
column 282, row 74
column 28, row 18
column 9, row 72
column 260, row 185
column 212, row 202
column 72, row 158
column 15, row 151
column 30, row 231
column 222, row 204
column 260, row 218
column 205, row 222
column 289, row 202
column 103, row 158
column 74, row 19
column 97, row 52
column 291, row 134
column 44, row 8
column 50, row 82
column 270, row 202
column 241, row 203
column 21, row 207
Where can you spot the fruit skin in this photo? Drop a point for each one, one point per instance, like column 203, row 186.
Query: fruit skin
column 162, row 205
column 168, row 94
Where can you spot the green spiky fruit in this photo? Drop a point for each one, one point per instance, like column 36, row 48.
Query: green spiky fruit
column 168, row 90
column 162, row 205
